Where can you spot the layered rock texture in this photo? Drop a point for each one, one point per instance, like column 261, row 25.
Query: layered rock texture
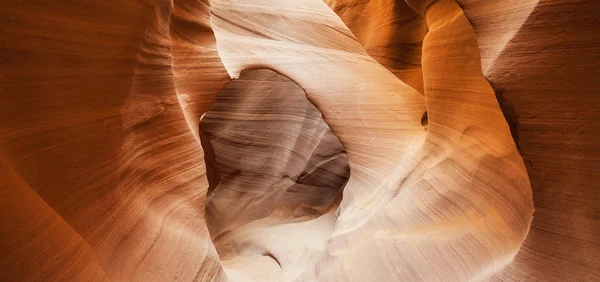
column 308, row 140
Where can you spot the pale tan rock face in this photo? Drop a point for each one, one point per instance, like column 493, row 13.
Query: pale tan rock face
column 357, row 141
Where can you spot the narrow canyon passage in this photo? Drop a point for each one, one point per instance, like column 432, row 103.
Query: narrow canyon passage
column 299, row 140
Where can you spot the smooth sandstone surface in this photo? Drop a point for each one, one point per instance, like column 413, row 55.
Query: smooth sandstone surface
column 539, row 58
column 358, row 140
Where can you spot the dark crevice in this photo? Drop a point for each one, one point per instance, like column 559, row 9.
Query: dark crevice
column 510, row 114
column 269, row 254
column 424, row 120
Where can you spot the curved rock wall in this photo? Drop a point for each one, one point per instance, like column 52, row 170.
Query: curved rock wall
column 547, row 74
column 535, row 55
column 100, row 106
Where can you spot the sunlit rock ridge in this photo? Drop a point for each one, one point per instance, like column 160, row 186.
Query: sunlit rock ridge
column 305, row 140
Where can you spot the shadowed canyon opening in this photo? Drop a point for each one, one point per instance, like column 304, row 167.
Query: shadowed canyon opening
column 274, row 167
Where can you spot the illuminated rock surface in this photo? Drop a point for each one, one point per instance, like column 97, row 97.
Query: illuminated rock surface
column 358, row 140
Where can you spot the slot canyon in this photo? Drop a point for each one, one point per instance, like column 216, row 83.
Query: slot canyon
column 299, row 140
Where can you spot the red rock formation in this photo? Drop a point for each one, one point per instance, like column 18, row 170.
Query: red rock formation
column 103, row 174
